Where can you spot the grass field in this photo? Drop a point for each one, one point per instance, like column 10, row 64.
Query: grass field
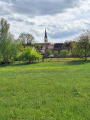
column 45, row 91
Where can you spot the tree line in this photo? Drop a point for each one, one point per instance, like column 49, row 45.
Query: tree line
column 79, row 47
column 12, row 49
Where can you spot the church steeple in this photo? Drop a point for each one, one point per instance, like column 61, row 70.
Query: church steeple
column 45, row 37
column 45, row 33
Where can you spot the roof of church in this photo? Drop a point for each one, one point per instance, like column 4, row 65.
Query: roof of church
column 58, row 45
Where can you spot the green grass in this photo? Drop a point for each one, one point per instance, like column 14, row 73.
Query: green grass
column 45, row 91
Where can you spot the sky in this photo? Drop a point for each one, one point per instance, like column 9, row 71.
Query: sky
column 63, row 19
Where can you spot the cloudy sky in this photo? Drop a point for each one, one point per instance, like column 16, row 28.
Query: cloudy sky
column 63, row 19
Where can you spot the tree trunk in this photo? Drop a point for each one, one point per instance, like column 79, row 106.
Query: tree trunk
column 85, row 57
column 5, row 60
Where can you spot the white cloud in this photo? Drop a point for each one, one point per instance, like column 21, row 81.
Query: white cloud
column 61, row 25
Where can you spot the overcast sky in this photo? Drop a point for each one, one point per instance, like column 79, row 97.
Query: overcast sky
column 63, row 19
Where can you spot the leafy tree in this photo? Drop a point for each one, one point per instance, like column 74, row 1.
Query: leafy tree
column 4, row 39
column 22, row 38
column 26, row 38
column 38, row 47
column 30, row 38
column 30, row 54
column 48, row 53
column 82, row 47
column 0, row 56
column 15, row 49
column 67, row 45
column 63, row 53
column 7, row 46
column 55, row 53
column 4, row 29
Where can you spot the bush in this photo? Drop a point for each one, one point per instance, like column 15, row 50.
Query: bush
column 38, row 47
column 55, row 53
column 30, row 54
column 48, row 53
column 64, row 53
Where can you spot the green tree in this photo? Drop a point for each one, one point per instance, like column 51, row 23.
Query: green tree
column 67, row 45
column 38, row 47
column 48, row 53
column 30, row 54
column 22, row 38
column 82, row 46
column 7, row 44
column 4, row 39
column 55, row 53
column 16, row 47
column 63, row 53
column 26, row 38
column 4, row 29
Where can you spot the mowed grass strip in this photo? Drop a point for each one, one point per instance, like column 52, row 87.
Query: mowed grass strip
column 45, row 91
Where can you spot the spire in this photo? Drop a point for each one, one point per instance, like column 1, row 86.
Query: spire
column 45, row 38
column 45, row 33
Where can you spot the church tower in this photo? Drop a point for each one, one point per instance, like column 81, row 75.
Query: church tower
column 45, row 37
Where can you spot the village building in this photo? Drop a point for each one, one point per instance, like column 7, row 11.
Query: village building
column 51, row 46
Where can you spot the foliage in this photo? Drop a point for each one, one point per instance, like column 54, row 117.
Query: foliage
column 30, row 54
column 16, row 47
column 63, row 53
column 8, row 47
column 4, row 28
column 38, row 47
column 26, row 38
column 45, row 91
column 55, row 53
column 67, row 44
column 82, row 47
column 48, row 53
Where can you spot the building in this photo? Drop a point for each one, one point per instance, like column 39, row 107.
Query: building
column 45, row 37
column 51, row 46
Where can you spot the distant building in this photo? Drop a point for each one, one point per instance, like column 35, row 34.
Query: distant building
column 52, row 46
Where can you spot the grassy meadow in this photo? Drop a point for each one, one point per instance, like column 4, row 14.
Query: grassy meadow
column 54, row 90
